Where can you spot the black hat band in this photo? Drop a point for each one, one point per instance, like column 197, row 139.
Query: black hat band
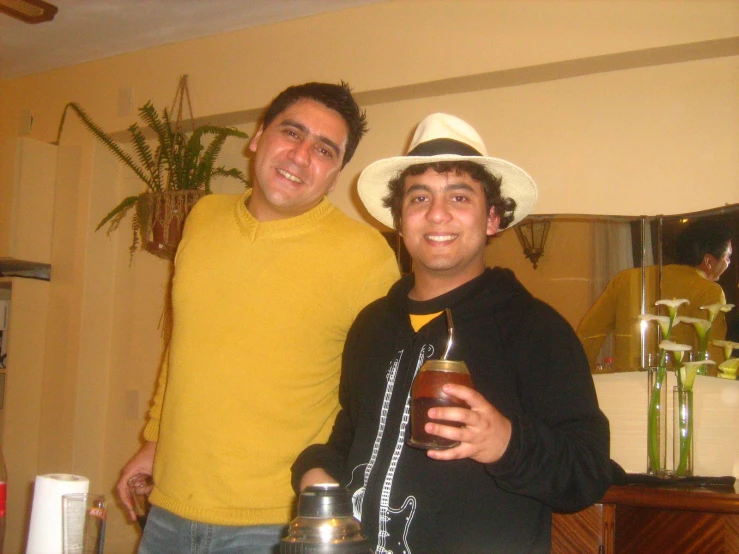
column 436, row 147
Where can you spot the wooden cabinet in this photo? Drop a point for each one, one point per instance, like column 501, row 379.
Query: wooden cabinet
column 641, row 519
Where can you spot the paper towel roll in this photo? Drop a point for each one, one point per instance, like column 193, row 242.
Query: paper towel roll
column 45, row 530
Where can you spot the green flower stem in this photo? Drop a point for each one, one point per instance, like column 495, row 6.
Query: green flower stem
column 655, row 407
column 703, row 345
column 685, row 425
column 702, row 353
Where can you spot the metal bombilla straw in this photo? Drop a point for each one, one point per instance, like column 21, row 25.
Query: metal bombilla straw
column 450, row 329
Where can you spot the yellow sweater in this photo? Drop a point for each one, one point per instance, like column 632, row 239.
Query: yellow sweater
column 618, row 308
column 261, row 312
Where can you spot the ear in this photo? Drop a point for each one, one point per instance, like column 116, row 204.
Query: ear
column 254, row 142
column 493, row 222
column 708, row 265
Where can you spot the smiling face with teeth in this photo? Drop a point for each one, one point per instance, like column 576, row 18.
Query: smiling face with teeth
column 445, row 223
column 297, row 160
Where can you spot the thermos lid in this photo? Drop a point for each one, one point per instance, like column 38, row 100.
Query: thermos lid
column 325, row 500
column 325, row 524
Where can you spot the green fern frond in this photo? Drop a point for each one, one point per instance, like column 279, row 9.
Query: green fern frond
column 182, row 169
column 121, row 209
column 145, row 156
column 162, row 128
column 161, row 169
column 136, row 229
column 193, row 150
column 103, row 137
column 216, row 130
column 142, row 215
column 204, row 170
column 173, row 153
column 115, row 222
column 233, row 173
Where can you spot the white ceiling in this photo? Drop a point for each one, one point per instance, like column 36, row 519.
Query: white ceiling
column 85, row 30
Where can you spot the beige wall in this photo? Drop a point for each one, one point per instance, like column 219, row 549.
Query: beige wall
column 619, row 106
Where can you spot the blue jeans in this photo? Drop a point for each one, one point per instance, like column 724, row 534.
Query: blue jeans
column 166, row 533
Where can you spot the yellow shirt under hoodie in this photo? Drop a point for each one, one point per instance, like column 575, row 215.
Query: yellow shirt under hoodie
column 261, row 312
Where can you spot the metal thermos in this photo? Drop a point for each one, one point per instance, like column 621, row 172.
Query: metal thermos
column 325, row 524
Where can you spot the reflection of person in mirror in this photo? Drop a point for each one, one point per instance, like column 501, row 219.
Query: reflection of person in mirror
column 532, row 438
column 266, row 286
column 702, row 252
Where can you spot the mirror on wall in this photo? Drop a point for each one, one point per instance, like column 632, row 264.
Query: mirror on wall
column 601, row 272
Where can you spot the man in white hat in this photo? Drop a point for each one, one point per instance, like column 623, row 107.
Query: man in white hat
column 532, row 438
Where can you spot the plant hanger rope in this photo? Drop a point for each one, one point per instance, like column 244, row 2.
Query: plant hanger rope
column 182, row 95
column 176, row 168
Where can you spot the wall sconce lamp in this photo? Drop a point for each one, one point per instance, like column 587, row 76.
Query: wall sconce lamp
column 29, row 11
column 532, row 234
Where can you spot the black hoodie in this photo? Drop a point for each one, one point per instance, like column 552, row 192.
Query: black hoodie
column 525, row 360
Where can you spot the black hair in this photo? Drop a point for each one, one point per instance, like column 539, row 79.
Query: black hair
column 335, row 97
column 504, row 207
column 701, row 237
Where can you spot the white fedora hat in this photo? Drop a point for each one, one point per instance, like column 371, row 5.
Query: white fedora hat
column 441, row 138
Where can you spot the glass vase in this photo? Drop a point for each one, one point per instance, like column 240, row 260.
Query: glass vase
column 682, row 417
column 657, row 422
column 705, row 369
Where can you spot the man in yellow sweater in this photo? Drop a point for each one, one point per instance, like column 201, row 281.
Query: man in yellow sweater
column 703, row 252
column 265, row 289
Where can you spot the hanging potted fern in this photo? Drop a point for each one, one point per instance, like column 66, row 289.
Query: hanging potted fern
column 177, row 172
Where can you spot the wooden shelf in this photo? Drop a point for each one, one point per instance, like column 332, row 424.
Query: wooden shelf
column 10, row 267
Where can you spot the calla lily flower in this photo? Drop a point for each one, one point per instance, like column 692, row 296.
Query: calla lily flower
column 689, row 370
column 662, row 320
column 728, row 369
column 677, row 348
column 714, row 309
column 700, row 325
column 727, row 345
column 672, row 305
column 732, row 364
column 674, row 346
